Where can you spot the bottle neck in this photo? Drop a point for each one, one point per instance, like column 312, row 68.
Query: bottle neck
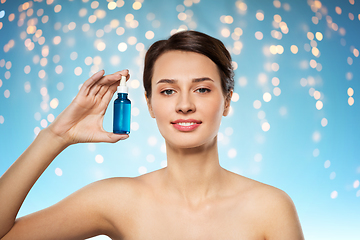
column 122, row 95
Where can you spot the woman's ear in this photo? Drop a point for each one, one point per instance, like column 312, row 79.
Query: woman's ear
column 227, row 103
column 149, row 106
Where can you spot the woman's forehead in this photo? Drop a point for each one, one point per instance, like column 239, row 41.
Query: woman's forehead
column 184, row 64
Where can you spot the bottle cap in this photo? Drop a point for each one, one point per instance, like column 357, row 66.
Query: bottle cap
column 122, row 88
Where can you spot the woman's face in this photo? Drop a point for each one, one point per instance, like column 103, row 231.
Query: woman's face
column 187, row 99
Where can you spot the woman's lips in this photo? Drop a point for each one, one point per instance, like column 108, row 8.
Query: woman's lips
column 186, row 125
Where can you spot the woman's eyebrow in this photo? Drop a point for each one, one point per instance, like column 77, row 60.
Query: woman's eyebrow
column 195, row 80
column 202, row 79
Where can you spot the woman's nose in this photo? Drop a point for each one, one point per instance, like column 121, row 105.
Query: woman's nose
column 185, row 104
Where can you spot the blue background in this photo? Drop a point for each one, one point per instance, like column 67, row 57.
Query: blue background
column 310, row 152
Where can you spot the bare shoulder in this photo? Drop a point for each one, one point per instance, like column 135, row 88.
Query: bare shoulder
column 274, row 208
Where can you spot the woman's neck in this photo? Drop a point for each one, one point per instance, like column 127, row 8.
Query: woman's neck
column 193, row 174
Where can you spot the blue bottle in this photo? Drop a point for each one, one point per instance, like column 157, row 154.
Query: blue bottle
column 122, row 109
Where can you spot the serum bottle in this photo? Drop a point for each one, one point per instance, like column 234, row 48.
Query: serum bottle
column 122, row 109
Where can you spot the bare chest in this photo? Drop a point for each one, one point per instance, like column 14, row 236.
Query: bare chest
column 171, row 221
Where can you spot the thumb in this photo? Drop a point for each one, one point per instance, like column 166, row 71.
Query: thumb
column 112, row 137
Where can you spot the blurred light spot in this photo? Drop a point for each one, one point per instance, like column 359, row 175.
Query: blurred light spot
column 132, row 40
column 232, row 153
column 43, row 123
column 356, row 184
column 275, row 67
column 316, row 136
column 85, row 27
column 78, row 71
column 258, row 157
column 142, row 170
column 163, row 163
column 324, row 122
column 261, row 114
column 114, row 23
column 358, row 192
column 242, row 81
column 27, row 87
column 349, row 76
column 327, row 164
column 334, row 194
column 57, row 40
column 50, row 117
column 88, row 61
column 1, row 119
column 37, row 116
column 262, row 79
column 60, row 86
column 43, row 91
column 267, row 97
column 277, row 18
column 349, row 60
column 54, row 103
column 58, row 69
column 265, row 126
column 319, row 36
column 225, row 32
column 152, row 141
column 135, row 84
column 338, row 10
column 259, row 15
column 97, row 60
column 135, row 111
column 150, row 158
column 277, row 91
column 92, row 18
column 57, row 8
column 27, row 69
column 259, row 35
column 317, row 95
column 319, row 105
column 351, row 101
column 257, row 104
column 332, row 175
column 99, row 33
column 316, row 152
column 122, row 47
column 82, row 12
column 235, row 97
column 115, row 60
column 149, row 35
column 37, row 130
column 275, row 81
column 229, row 131
column 99, row 158
column 94, row 4
column 356, row 52
column 7, row 74
column 111, row 5
column 283, row 111
column 350, row 92
column 58, row 172
column 100, row 45
column 313, row 63
column 134, row 126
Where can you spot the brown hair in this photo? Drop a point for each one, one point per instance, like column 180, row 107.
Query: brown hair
column 191, row 41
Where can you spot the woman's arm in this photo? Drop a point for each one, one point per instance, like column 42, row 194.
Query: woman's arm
column 81, row 121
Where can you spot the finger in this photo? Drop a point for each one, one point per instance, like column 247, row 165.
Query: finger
column 112, row 137
column 91, row 81
column 103, row 84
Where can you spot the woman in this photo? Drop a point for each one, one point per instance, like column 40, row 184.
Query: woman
column 188, row 81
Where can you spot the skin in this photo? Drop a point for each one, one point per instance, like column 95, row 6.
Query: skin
column 192, row 198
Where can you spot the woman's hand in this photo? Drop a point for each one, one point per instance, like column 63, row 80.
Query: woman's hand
column 82, row 120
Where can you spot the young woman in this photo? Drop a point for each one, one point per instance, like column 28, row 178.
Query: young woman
column 188, row 81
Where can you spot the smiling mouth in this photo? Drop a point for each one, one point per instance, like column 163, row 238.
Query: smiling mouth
column 186, row 123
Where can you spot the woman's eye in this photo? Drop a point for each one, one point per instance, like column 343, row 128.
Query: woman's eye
column 202, row 90
column 168, row 92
